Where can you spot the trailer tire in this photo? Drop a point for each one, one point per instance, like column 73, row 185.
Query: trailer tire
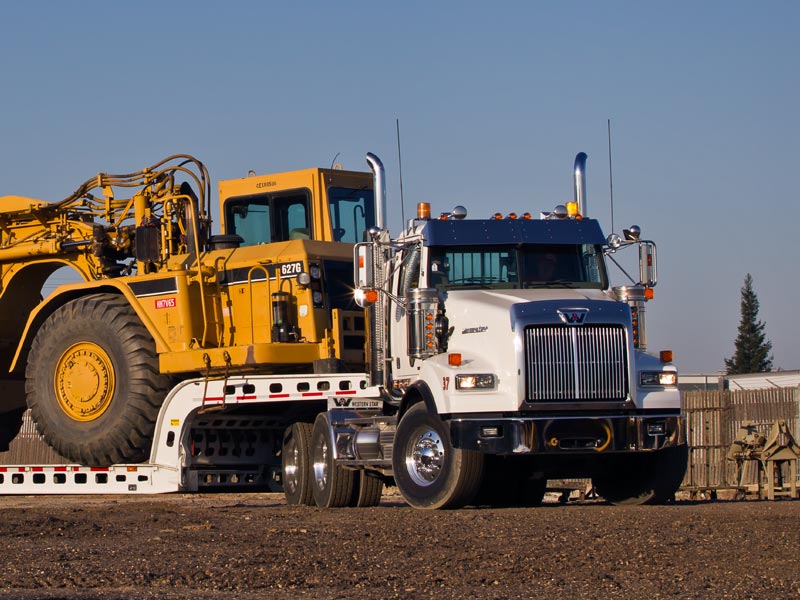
column 93, row 383
column 296, row 464
column 428, row 471
column 331, row 485
column 647, row 478
column 368, row 489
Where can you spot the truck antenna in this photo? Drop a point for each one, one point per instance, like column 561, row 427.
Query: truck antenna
column 400, row 164
column 333, row 162
column 610, row 176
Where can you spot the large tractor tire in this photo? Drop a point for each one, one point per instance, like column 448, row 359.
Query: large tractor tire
column 93, row 383
column 428, row 471
column 296, row 464
column 644, row 478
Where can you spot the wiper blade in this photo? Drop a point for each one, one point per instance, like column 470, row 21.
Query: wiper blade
column 559, row 283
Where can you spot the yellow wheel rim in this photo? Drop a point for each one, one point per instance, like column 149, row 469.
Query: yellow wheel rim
column 84, row 381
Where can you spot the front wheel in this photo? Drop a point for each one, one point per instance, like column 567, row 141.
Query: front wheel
column 428, row 471
column 645, row 478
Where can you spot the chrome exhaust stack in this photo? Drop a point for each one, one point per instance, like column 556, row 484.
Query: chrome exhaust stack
column 380, row 189
column 580, row 183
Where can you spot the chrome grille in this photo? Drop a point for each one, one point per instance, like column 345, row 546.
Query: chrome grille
column 585, row 363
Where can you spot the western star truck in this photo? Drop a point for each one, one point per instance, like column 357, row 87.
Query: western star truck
column 304, row 348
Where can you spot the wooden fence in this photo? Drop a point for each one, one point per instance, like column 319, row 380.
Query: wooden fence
column 713, row 419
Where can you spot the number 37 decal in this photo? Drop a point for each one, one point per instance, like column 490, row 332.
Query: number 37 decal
column 445, row 383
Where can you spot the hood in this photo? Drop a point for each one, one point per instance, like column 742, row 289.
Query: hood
column 471, row 311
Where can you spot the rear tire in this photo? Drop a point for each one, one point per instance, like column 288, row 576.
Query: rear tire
column 647, row 478
column 296, row 464
column 428, row 471
column 93, row 383
column 367, row 490
column 331, row 485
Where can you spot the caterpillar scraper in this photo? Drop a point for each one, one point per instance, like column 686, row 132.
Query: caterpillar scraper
column 159, row 299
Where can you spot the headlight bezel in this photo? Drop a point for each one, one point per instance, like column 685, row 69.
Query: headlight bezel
column 476, row 381
column 663, row 379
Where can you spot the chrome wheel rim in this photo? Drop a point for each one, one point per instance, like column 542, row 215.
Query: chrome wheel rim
column 426, row 458
column 291, row 469
column 321, row 463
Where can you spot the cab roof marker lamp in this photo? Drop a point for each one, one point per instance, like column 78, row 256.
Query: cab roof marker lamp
column 423, row 211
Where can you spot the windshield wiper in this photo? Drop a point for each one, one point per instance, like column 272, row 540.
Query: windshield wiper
column 558, row 283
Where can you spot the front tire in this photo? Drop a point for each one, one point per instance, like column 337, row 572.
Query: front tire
column 646, row 478
column 428, row 471
column 93, row 383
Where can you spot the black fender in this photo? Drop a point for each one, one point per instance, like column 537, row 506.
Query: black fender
column 417, row 392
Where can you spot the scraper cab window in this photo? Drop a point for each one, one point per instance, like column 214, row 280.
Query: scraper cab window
column 352, row 213
column 516, row 266
column 265, row 218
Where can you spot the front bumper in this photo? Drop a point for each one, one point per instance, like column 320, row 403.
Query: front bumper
column 568, row 435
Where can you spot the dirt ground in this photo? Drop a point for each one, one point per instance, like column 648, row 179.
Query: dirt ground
column 254, row 546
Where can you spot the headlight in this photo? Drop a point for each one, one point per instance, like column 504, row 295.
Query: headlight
column 474, row 382
column 659, row 378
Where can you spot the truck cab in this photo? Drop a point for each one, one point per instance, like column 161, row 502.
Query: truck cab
column 505, row 339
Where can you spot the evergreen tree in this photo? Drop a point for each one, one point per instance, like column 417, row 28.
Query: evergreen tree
column 753, row 353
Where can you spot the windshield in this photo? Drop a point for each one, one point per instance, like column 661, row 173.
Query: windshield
column 516, row 266
column 352, row 213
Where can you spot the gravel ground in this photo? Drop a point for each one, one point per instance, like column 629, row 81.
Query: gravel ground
column 254, row 546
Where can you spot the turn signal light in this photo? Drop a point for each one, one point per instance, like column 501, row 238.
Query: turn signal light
column 454, row 359
column 665, row 356
column 371, row 296
column 649, row 294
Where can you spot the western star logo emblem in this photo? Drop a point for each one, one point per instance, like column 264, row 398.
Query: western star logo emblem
column 573, row 316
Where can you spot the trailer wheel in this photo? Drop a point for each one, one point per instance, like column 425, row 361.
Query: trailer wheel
column 296, row 458
column 651, row 478
column 93, row 384
column 331, row 485
column 367, row 490
column 428, row 471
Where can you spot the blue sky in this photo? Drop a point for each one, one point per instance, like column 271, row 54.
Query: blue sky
column 494, row 101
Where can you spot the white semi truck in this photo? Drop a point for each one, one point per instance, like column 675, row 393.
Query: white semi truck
column 498, row 356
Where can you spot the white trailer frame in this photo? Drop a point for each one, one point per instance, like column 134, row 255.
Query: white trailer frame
column 192, row 403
